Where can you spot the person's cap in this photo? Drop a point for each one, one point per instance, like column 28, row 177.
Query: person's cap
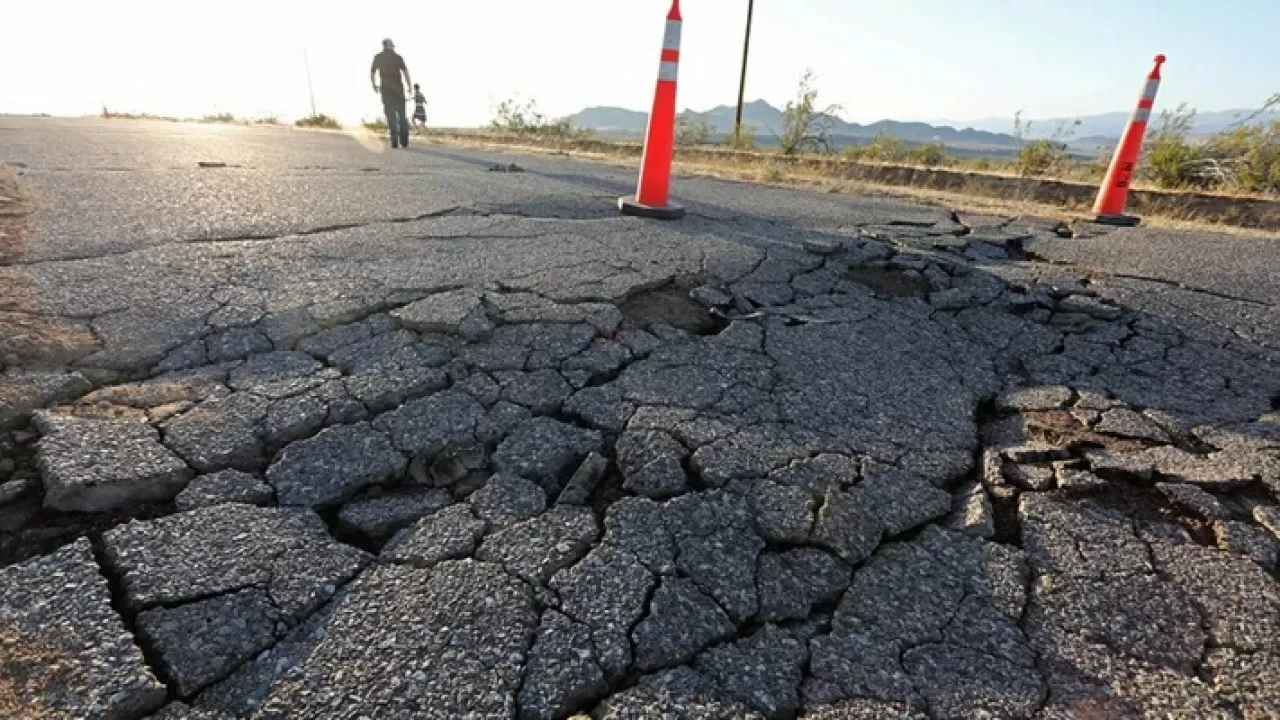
column 386, row 43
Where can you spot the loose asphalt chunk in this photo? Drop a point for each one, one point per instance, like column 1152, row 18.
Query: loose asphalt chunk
column 783, row 514
column 682, row 621
column 25, row 392
column 544, row 447
column 334, row 465
column 508, row 499
column 220, row 433
column 762, row 671
column 1240, row 601
column 1080, row 538
column 405, row 642
column 439, row 313
column 538, row 548
column 377, row 518
column 220, row 488
column 562, row 672
column 201, row 642
column 99, row 465
column 723, row 565
column 450, row 534
column 938, row 594
column 226, row 548
column 427, row 426
column 792, row 582
column 607, row 592
column 66, row 653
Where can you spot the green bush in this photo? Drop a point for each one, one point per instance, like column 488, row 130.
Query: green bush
column 525, row 119
column 930, row 155
column 219, row 118
column 1168, row 160
column 1243, row 158
column 1045, row 156
column 1041, row 157
column 805, row 128
column 379, row 125
column 1249, row 157
column 884, row 148
column 319, row 120
column 693, row 130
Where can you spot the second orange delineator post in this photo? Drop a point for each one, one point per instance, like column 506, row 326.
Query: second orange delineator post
column 1114, row 193
column 652, row 198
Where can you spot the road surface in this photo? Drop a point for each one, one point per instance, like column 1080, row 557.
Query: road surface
column 324, row 430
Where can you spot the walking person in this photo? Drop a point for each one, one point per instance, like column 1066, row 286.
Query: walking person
column 388, row 67
column 419, row 109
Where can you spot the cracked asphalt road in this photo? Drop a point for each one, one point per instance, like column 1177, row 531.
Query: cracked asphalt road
column 336, row 432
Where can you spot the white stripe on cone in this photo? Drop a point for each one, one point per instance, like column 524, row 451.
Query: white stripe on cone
column 1141, row 115
column 1149, row 92
column 671, row 39
column 669, row 71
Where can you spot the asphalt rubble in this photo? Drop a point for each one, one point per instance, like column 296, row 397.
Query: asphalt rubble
column 904, row 473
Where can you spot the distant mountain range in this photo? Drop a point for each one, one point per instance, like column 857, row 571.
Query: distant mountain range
column 1110, row 126
column 1086, row 135
column 767, row 122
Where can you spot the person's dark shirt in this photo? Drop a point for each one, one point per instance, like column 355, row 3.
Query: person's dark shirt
column 389, row 65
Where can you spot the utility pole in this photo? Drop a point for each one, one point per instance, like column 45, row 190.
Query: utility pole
column 742, row 85
column 306, row 62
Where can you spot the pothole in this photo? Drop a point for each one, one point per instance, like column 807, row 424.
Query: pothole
column 671, row 305
column 886, row 281
column 1148, row 508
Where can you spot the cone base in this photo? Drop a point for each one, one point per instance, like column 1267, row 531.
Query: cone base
column 1118, row 220
column 630, row 206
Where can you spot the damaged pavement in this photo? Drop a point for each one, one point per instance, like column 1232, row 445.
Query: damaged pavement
column 866, row 460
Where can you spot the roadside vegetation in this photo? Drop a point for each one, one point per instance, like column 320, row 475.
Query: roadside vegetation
column 1244, row 160
column 805, row 128
column 693, row 130
column 221, row 118
column 524, row 119
column 319, row 120
column 113, row 115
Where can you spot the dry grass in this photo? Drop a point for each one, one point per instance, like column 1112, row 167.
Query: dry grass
column 750, row 169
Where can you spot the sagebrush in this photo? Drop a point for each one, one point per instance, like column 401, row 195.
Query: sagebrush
column 805, row 128
column 319, row 120
column 1243, row 158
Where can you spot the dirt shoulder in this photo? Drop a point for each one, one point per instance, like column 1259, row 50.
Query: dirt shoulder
column 962, row 189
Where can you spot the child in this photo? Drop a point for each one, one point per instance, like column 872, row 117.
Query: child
column 419, row 108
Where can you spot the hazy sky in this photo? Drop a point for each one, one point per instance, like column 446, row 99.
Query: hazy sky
column 902, row 59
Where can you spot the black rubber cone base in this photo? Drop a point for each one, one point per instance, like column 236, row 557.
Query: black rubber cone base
column 1118, row 220
column 629, row 206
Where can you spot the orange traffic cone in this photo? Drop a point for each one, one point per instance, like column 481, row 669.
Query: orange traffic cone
column 652, row 196
column 1115, row 187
